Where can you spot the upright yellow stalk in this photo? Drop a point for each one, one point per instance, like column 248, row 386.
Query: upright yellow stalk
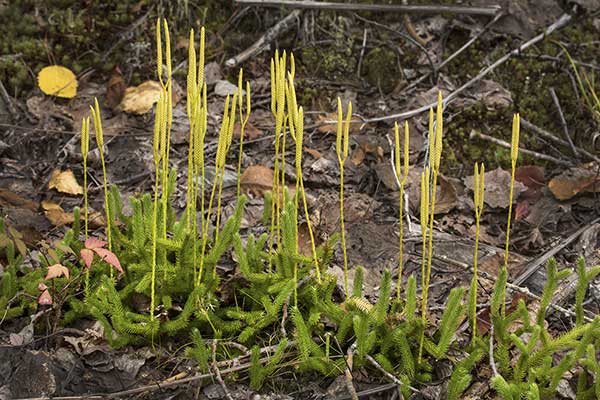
column 435, row 157
column 97, row 119
column 243, row 121
column 478, row 194
column 278, row 89
column 219, row 160
column 341, row 148
column 402, row 178
column 168, row 88
column 199, row 135
column 296, row 123
column 228, row 140
column 514, row 155
column 159, row 128
column 191, row 107
column 85, row 146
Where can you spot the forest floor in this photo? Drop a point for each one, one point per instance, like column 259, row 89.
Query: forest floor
column 388, row 65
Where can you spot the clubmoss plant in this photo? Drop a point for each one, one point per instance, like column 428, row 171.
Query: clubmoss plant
column 478, row 195
column 341, row 148
column 401, row 177
column 514, row 155
column 278, row 85
column 97, row 120
column 85, row 146
column 244, row 117
column 435, row 157
column 167, row 88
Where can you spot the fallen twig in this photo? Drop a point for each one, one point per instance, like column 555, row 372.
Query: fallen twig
column 411, row 9
column 492, row 362
column 217, row 372
column 11, row 108
column 537, row 130
column 537, row 263
column 391, row 377
column 563, row 122
column 457, row 52
column 348, row 371
column 500, row 142
column 265, row 40
column 560, row 23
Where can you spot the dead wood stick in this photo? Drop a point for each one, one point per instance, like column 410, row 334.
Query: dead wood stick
column 391, row 377
column 265, row 40
column 537, row 263
column 542, row 132
column 525, row 290
column 560, row 23
column 217, row 372
column 563, row 121
column 409, row 9
column 457, row 52
column 499, row 142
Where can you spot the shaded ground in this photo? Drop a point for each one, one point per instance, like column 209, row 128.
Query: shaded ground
column 370, row 59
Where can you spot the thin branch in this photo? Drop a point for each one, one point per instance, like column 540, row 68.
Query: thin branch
column 539, row 131
column 348, row 371
column 217, row 372
column 388, row 375
column 492, row 362
column 265, row 40
column 563, row 122
column 499, row 142
column 409, row 9
column 560, row 23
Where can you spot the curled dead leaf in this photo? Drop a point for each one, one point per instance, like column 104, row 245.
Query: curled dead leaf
column 45, row 298
column 250, row 131
column 574, row 181
column 56, row 271
column 140, row 99
column 65, row 182
column 257, row 179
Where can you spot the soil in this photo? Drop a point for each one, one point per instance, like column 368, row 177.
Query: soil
column 370, row 59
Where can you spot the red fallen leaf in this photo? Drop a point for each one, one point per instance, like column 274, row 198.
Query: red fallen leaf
column 522, row 210
column 88, row 256
column 42, row 287
column 484, row 317
column 94, row 243
column 45, row 298
column 110, row 258
column 57, row 270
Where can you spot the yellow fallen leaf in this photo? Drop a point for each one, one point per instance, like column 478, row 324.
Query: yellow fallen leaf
column 58, row 217
column 140, row 99
column 58, row 81
column 65, row 182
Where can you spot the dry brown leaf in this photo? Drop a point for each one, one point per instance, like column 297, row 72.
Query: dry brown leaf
column 58, row 217
column 58, row 81
column 358, row 156
column 56, row 271
column 574, row 181
column 65, row 182
column 330, row 124
column 257, row 179
column 250, row 131
column 497, row 188
column 11, row 199
column 315, row 153
column 140, row 99
column 115, row 89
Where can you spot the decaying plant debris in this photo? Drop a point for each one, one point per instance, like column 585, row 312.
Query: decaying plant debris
column 241, row 272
